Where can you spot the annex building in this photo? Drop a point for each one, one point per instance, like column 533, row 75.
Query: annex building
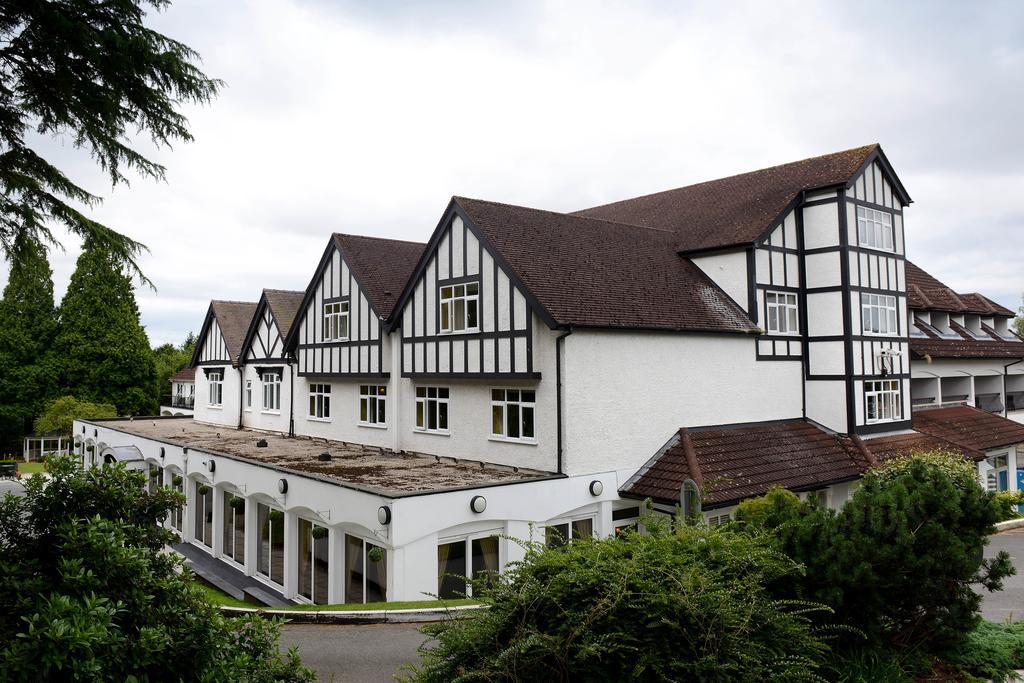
column 532, row 374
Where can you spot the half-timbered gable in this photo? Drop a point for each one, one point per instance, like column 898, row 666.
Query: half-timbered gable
column 219, row 359
column 270, row 325
column 339, row 329
column 267, row 373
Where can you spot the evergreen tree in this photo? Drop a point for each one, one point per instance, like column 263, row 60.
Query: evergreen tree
column 28, row 323
column 102, row 351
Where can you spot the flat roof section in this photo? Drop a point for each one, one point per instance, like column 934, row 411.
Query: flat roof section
column 366, row 468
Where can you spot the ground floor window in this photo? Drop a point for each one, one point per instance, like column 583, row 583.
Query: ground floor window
column 624, row 519
column 998, row 478
column 314, row 561
column 366, row 571
column 560, row 533
column 204, row 514
column 270, row 551
column 883, row 401
column 477, row 555
column 373, row 400
column 234, row 527
column 178, row 484
column 156, row 478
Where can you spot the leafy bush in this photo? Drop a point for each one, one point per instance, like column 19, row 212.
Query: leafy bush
column 991, row 650
column 897, row 563
column 86, row 592
column 1008, row 502
column 770, row 510
column 60, row 414
column 685, row 605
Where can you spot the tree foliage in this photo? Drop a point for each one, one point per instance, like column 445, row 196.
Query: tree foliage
column 60, row 414
column 168, row 359
column 28, row 323
column 86, row 592
column 102, row 351
column 685, row 605
column 898, row 561
column 92, row 72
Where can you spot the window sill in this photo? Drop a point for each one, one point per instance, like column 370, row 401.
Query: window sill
column 270, row 412
column 520, row 442
column 371, row 425
column 310, row 418
column 880, row 250
column 334, row 341
column 456, row 333
column 432, row 432
column 215, row 407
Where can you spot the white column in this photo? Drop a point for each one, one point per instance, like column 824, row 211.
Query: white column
column 188, row 524
column 252, row 536
column 605, row 526
column 335, row 565
column 291, row 554
column 218, row 521
column 510, row 551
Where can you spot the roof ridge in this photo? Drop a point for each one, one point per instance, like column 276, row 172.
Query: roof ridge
column 574, row 215
column 284, row 291
column 866, row 148
column 379, row 239
column 232, row 301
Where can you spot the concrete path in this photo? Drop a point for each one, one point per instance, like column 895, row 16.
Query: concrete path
column 11, row 486
column 1009, row 602
column 354, row 653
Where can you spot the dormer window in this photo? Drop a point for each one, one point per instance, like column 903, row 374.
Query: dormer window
column 972, row 323
column 874, row 229
column 460, row 306
column 336, row 321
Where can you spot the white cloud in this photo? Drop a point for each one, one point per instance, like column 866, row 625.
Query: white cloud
column 366, row 118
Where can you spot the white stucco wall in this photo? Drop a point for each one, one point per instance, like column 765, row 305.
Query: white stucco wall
column 227, row 412
column 270, row 420
column 626, row 393
column 729, row 271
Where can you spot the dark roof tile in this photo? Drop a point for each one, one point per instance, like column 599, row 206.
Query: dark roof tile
column 382, row 266
column 284, row 305
column 233, row 317
column 969, row 427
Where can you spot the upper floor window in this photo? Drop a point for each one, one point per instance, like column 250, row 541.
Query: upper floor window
column 248, row 393
column 460, row 306
column 874, row 229
column 336, row 321
column 271, row 391
column 883, row 401
column 781, row 313
column 432, row 409
column 878, row 313
column 373, row 400
column 320, row 401
column 512, row 413
column 216, row 380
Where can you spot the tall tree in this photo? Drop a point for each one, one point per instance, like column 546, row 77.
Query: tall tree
column 101, row 349
column 92, row 72
column 28, row 323
column 169, row 359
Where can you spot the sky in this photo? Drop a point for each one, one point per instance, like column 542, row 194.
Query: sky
column 366, row 117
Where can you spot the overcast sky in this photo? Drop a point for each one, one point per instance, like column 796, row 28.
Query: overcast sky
column 366, row 118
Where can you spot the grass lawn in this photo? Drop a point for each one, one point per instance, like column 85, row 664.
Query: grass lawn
column 31, row 467
column 219, row 597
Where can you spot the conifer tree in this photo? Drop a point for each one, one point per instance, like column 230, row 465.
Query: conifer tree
column 28, row 323
column 102, row 350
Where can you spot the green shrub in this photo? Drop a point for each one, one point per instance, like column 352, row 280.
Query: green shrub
column 685, row 605
column 771, row 509
column 898, row 562
column 86, row 592
column 1008, row 502
column 991, row 650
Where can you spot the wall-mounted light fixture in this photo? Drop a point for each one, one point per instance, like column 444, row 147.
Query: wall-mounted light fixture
column 478, row 504
column 384, row 515
column 282, row 486
column 596, row 487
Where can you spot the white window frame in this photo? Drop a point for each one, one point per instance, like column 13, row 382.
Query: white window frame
column 336, row 321
column 875, row 229
column 271, row 392
column 454, row 303
column 502, row 400
column 785, row 307
column 248, row 394
column 319, row 402
column 887, row 396
column 468, row 542
column 216, row 393
column 880, row 310
column 436, row 396
column 373, row 404
column 569, row 521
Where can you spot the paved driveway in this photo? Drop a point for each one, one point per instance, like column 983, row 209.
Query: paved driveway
column 1009, row 602
column 11, row 486
column 354, row 653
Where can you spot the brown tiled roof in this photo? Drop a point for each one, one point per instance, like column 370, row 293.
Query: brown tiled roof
column 233, row 317
column 184, row 375
column 927, row 293
column 735, row 210
column 595, row 273
column 284, row 305
column 891, row 446
column 737, row 462
column 969, row 427
column 382, row 267
column 964, row 346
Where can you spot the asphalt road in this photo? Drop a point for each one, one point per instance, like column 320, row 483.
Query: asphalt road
column 11, row 486
column 354, row 653
column 1009, row 602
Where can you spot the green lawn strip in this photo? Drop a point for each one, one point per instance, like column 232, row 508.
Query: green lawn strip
column 31, row 467
column 219, row 597
column 408, row 604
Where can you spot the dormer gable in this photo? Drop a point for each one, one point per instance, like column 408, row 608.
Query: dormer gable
column 265, row 339
column 223, row 333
